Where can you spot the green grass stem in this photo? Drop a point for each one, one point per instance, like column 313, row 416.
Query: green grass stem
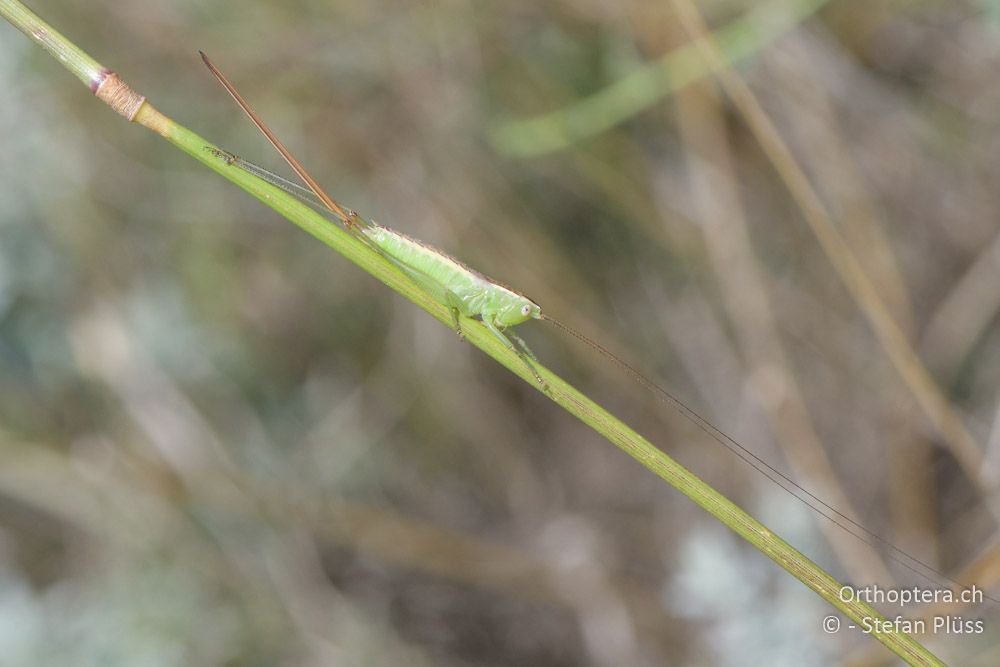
column 558, row 390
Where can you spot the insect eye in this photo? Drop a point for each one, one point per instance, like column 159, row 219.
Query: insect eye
column 525, row 309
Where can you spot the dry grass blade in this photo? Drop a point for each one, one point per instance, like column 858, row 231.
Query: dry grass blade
column 897, row 348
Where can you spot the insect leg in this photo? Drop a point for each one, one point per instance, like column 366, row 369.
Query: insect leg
column 453, row 303
column 506, row 341
column 225, row 156
column 524, row 346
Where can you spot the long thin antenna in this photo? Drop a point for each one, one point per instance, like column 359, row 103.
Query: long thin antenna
column 280, row 147
column 763, row 467
column 845, row 522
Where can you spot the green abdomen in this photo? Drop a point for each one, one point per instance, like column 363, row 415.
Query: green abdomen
column 434, row 271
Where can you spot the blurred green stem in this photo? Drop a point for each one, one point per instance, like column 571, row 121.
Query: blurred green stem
column 648, row 83
column 557, row 390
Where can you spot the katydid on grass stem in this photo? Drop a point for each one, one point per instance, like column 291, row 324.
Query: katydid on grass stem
column 463, row 290
column 469, row 293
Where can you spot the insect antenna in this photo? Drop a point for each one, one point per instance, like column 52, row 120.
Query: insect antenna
column 790, row 486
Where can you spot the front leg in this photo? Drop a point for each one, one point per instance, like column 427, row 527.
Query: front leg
column 524, row 346
column 502, row 337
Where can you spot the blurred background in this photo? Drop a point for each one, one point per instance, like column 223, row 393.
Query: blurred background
column 222, row 444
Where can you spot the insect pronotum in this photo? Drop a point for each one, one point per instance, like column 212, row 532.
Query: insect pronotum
column 467, row 292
